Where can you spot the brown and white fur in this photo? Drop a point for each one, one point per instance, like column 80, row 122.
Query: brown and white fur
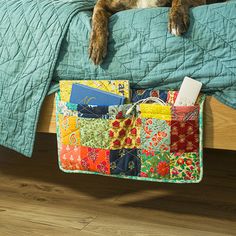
column 178, row 19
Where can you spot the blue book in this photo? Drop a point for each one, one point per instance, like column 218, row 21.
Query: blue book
column 85, row 95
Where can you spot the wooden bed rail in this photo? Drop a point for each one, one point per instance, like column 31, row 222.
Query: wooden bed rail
column 219, row 123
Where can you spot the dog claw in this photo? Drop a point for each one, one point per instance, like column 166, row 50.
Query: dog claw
column 178, row 22
column 97, row 49
column 175, row 32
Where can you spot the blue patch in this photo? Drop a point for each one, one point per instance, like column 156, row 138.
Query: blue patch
column 125, row 162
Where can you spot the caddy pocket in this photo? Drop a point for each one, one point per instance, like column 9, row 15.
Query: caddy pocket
column 152, row 143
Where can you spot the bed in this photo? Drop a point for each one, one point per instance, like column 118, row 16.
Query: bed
column 50, row 44
column 219, row 123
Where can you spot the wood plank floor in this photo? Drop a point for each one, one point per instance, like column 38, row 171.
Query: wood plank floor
column 38, row 199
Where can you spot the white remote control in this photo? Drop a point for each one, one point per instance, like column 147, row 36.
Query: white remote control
column 188, row 92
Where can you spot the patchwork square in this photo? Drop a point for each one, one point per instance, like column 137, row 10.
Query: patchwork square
column 155, row 164
column 85, row 159
column 70, row 157
column 67, row 109
column 125, row 162
column 155, row 135
column 94, row 133
column 94, row 159
column 125, row 133
column 184, row 113
column 155, row 111
column 184, row 136
column 184, row 166
column 88, row 111
column 69, row 130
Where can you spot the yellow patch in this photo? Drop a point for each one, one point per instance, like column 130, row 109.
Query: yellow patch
column 119, row 87
column 69, row 130
column 155, row 111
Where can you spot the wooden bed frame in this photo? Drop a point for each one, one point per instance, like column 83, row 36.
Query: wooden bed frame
column 219, row 123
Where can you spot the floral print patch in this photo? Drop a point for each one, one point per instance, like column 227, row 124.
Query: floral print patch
column 155, row 135
column 94, row 133
column 155, row 164
column 70, row 157
column 69, row 130
column 184, row 166
column 125, row 162
column 94, row 159
column 85, row 159
column 125, row 133
column 67, row 109
column 184, row 136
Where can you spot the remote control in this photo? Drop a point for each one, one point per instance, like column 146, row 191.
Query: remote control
column 188, row 92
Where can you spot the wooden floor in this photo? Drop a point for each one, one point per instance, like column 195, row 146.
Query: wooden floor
column 38, row 199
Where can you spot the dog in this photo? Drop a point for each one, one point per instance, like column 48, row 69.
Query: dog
column 178, row 19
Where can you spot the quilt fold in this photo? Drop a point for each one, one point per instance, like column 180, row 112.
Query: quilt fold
column 31, row 35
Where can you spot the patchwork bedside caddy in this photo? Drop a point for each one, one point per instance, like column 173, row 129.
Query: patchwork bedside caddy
column 152, row 143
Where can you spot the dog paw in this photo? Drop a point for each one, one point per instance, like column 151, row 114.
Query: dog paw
column 178, row 21
column 98, row 48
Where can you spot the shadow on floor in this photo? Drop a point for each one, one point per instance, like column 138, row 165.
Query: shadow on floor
column 216, row 193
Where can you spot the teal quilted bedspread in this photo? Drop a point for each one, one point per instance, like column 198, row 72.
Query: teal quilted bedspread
column 45, row 40
column 143, row 52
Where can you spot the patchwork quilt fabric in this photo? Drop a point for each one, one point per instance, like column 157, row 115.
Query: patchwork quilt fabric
column 154, row 143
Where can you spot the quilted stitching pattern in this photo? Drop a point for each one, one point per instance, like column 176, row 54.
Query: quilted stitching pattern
column 142, row 51
column 149, row 163
column 30, row 38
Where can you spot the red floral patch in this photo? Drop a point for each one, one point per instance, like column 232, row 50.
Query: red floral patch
column 138, row 122
column 133, row 131
column 128, row 141
column 111, row 134
column 184, row 136
column 116, row 144
column 155, row 164
column 128, row 122
column 163, row 168
column 122, row 133
column 103, row 167
column 119, row 115
column 94, row 159
column 116, row 124
column 125, row 133
column 85, row 159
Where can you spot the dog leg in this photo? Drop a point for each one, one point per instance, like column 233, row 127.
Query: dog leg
column 99, row 35
column 179, row 15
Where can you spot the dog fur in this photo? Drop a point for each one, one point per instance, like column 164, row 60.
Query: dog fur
column 178, row 19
